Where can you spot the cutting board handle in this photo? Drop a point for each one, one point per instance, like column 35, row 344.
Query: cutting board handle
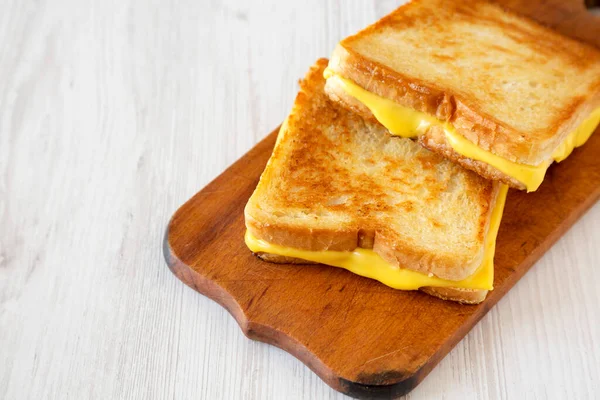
column 569, row 17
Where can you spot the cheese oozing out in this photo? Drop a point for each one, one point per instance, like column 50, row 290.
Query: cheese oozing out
column 369, row 264
column 407, row 122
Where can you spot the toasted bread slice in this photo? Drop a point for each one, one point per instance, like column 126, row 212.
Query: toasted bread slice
column 508, row 85
column 336, row 183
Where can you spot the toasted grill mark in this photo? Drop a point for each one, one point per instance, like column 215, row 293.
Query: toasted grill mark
column 406, row 206
column 436, row 223
column 427, row 163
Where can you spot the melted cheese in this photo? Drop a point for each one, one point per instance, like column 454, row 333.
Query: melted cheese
column 406, row 122
column 578, row 137
column 369, row 264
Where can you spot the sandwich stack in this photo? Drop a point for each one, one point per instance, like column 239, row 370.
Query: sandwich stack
column 396, row 158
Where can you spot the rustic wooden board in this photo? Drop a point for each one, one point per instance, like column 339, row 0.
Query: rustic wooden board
column 359, row 336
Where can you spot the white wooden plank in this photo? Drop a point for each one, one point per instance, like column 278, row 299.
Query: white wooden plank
column 112, row 114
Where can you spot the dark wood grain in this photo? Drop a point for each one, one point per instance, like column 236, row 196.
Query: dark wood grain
column 359, row 336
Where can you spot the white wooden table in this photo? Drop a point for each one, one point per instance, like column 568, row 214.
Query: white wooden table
column 112, row 114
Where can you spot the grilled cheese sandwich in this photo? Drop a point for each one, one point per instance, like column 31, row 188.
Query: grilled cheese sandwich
column 499, row 101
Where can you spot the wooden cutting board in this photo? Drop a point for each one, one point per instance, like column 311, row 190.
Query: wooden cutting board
column 361, row 337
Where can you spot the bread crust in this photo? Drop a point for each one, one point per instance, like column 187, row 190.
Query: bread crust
column 465, row 112
column 464, row 296
column 304, row 160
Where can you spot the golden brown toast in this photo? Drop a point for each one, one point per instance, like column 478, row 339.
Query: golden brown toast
column 337, row 182
column 507, row 84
